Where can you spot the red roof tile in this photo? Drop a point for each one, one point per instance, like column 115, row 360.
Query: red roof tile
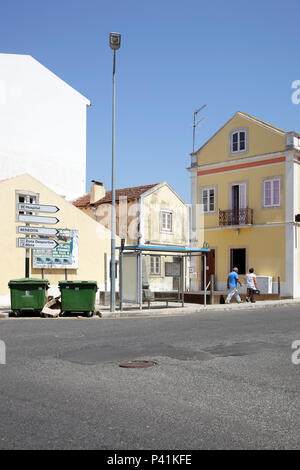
column 83, row 201
column 131, row 193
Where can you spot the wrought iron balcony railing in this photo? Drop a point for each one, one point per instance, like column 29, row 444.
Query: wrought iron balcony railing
column 236, row 217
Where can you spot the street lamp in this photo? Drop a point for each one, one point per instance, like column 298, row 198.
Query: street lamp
column 115, row 43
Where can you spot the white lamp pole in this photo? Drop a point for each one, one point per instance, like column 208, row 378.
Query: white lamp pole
column 115, row 43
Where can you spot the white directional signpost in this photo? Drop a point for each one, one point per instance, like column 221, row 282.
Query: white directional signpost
column 37, row 208
column 27, row 230
column 38, row 219
column 37, row 243
column 26, row 212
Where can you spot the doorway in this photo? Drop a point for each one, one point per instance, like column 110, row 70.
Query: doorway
column 238, row 201
column 238, row 259
column 210, row 267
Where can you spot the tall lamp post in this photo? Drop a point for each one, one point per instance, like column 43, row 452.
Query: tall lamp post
column 115, row 43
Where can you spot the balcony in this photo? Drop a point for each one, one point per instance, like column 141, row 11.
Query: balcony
column 236, row 217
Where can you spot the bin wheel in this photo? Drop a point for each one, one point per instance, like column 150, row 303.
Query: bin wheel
column 89, row 314
column 61, row 314
column 17, row 313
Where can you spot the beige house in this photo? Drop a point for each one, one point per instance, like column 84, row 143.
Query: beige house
column 93, row 238
column 153, row 214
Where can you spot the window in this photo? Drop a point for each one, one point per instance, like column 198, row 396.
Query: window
column 272, row 193
column 238, row 141
column 31, row 198
column 166, row 221
column 155, row 265
column 208, row 200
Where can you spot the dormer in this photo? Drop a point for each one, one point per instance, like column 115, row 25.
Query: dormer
column 238, row 141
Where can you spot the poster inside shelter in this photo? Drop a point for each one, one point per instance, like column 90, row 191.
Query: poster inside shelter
column 64, row 256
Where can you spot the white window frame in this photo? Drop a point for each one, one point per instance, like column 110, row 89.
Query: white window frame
column 166, row 228
column 155, row 267
column 271, row 180
column 238, row 131
column 208, row 189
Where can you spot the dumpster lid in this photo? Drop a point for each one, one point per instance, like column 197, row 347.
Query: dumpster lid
column 28, row 280
column 79, row 283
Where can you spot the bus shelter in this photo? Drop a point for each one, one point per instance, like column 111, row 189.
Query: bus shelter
column 131, row 269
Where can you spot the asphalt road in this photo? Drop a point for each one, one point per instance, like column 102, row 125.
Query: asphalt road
column 224, row 380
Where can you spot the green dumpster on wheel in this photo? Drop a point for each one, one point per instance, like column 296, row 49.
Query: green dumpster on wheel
column 28, row 294
column 78, row 296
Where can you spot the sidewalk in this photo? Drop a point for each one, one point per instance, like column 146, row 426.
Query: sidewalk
column 159, row 308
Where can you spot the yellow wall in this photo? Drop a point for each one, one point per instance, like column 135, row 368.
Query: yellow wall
column 265, row 250
column 94, row 239
column 253, row 177
column 261, row 140
column 265, row 246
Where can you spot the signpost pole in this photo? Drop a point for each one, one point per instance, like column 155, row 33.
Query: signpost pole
column 121, row 280
column 27, row 254
column 43, row 273
column 182, row 280
column 66, row 274
column 204, row 275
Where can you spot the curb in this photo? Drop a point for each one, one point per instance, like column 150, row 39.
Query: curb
column 199, row 309
column 196, row 308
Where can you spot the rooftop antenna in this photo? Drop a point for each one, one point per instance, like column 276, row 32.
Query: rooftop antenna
column 197, row 123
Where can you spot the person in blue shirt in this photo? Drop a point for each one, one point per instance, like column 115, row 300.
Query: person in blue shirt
column 232, row 285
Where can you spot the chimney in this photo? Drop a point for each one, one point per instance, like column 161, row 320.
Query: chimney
column 97, row 191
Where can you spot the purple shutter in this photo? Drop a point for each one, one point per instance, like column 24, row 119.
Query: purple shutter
column 267, row 198
column 276, row 192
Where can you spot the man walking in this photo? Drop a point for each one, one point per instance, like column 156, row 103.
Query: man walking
column 232, row 285
column 251, row 285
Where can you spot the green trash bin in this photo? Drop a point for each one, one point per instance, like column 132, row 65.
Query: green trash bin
column 78, row 296
column 28, row 294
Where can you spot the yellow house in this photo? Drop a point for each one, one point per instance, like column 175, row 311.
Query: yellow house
column 153, row 214
column 93, row 238
column 245, row 196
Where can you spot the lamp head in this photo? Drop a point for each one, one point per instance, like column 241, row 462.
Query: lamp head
column 115, row 41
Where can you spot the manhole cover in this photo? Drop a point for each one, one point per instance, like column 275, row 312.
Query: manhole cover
column 137, row 364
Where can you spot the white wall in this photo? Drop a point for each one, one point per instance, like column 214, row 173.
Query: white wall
column 42, row 126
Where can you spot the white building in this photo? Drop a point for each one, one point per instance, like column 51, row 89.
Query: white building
column 42, row 126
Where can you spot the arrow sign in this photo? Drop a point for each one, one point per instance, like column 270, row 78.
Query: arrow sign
column 27, row 230
column 45, row 244
column 37, row 208
column 37, row 219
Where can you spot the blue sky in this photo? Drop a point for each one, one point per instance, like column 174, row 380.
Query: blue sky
column 175, row 56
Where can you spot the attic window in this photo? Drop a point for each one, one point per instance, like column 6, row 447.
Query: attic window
column 166, row 221
column 238, row 140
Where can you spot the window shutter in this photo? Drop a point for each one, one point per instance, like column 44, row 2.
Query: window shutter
column 276, row 192
column 242, row 140
column 157, row 268
column 170, row 221
column 242, row 191
column 234, row 144
column 211, row 200
column 267, row 193
column 205, row 200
